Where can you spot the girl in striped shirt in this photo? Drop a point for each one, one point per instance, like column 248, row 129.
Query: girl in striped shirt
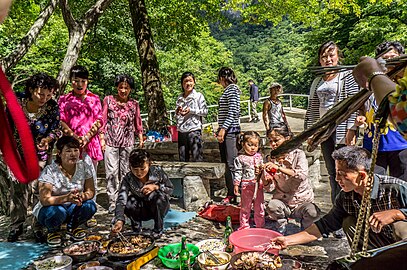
column 229, row 126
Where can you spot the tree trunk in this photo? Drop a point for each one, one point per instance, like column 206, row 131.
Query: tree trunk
column 12, row 59
column 72, row 53
column 157, row 115
column 77, row 31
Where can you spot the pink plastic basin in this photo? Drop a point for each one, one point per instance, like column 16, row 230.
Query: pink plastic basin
column 253, row 239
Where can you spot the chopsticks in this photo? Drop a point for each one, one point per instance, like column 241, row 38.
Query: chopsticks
column 213, row 257
column 124, row 240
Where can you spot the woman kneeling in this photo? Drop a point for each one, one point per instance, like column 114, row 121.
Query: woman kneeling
column 66, row 189
column 144, row 194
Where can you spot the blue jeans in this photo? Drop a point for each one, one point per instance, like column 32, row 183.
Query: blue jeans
column 53, row 216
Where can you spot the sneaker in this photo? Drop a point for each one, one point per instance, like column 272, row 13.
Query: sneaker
column 54, row 239
column 339, row 234
column 77, row 234
column 14, row 234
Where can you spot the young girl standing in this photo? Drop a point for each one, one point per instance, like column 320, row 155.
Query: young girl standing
column 246, row 175
column 273, row 112
column 191, row 107
column 293, row 196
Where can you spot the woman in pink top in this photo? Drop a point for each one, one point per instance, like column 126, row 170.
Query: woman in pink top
column 293, row 196
column 81, row 117
column 121, row 115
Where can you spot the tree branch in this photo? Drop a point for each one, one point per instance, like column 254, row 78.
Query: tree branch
column 27, row 41
column 95, row 12
column 67, row 15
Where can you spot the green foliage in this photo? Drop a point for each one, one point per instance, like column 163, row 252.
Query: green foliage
column 269, row 54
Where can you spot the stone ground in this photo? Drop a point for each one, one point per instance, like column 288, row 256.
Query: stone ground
column 198, row 228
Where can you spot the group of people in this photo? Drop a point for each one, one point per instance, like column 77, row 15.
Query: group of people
column 84, row 132
column 349, row 165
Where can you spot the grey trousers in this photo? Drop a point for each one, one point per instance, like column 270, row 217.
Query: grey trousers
column 253, row 110
column 116, row 166
column 278, row 211
column 376, row 240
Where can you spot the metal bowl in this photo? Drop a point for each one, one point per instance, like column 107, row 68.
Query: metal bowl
column 83, row 257
column 128, row 256
column 40, row 265
column 239, row 255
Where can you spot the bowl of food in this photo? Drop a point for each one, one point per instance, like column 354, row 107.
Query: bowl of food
column 254, row 260
column 169, row 254
column 207, row 263
column 82, row 251
column 54, row 263
column 100, row 267
column 253, row 239
column 129, row 246
column 93, row 237
column 88, row 264
column 211, row 245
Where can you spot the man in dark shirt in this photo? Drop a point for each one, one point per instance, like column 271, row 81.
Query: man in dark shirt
column 254, row 98
column 388, row 221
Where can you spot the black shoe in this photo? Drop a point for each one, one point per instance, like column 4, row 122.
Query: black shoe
column 39, row 237
column 136, row 226
column 14, row 234
column 156, row 234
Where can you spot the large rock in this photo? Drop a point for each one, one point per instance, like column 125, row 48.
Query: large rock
column 195, row 194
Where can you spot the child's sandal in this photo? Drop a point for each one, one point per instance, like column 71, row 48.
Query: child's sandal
column 76, row 234
column 54, row 239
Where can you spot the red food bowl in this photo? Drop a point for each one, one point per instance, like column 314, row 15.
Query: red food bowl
column 253, row 239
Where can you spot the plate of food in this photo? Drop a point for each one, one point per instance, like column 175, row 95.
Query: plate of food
column 254, row 260
column 82, row 251
column 131, row 246
column 211, row 244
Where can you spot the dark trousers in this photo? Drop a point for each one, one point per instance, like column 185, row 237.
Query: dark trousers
column 376, row 240
column 327, row 148
column 396, row 161
column 228, row 153
column 155, row 206
column 190, row 143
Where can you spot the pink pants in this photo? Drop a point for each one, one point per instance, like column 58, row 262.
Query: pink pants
column 247, row 192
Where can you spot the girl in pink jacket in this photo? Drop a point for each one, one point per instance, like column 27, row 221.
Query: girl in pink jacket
column 247, row 167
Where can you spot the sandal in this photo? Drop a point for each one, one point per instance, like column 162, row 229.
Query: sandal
column 54, row 239
column 229, row 200
column 77, row 234
column 91, row 223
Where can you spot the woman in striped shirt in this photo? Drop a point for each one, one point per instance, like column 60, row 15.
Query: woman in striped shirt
column 326, row 91
column 229, row 126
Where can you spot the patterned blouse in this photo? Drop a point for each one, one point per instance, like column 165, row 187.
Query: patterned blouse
column 61, row 185
column 122, row 122
column 80, row 115
column 44, row 123
column 244, row 168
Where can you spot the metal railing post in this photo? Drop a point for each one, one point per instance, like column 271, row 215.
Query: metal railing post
column 291, row 103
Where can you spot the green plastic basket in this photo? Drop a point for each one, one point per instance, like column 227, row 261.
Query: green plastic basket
column 174, row 249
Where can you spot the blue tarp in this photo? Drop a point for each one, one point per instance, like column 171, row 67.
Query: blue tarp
column 18, row 255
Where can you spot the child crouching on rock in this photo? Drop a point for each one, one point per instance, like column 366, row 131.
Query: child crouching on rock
column 144, row 194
